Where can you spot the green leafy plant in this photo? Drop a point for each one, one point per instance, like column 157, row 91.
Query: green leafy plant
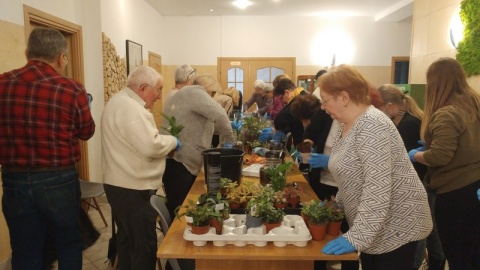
column 217, row 202
column 334, row 210
column 172, row 128
column 259, row 204
column 272, row 215
column 200, row 213
column 290, row 191
column 469, row 48
column 316, row 211
column 278, row 175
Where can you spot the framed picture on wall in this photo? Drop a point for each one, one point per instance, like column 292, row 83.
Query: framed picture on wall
column 134, row 55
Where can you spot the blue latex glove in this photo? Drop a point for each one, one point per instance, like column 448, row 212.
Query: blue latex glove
column 236, row 124
column 179, row 145
column 411, row 153
column 266, row 134
column 298, row 156
column 265, row 116
column 338, row 246
column 478, row 194
column 318, row 160
column 278, row 136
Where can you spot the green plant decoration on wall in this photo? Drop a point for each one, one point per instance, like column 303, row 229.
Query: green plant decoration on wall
column 468, row 53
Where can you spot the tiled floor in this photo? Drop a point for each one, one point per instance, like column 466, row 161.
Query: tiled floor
column 95, row 257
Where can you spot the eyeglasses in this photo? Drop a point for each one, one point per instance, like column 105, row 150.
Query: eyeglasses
column 191, row 72
column 159, row 90
column 325, row 101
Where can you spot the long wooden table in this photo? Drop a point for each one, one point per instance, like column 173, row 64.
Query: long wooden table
column 231, row 257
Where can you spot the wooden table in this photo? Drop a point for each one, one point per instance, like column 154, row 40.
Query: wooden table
column 247, row 257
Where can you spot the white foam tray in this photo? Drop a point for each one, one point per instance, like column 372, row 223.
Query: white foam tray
column 252, row 170
column 292, row 231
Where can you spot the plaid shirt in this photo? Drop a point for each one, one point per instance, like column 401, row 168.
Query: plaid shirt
column 42, row 114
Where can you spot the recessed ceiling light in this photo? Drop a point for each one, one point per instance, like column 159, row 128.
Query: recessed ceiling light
column 242, row 4
column 211, row 10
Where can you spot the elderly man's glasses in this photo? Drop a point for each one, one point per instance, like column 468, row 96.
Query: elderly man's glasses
column 191, row 72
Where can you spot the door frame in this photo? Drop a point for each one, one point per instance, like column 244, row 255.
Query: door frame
column 73, row 33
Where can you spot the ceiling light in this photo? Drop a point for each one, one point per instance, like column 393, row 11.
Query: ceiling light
column 242, row 4
column 211, row 10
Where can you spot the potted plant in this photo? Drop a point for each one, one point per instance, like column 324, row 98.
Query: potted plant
column 336, row 217
column 279, row 200
column 272, row 217
column 292, row 194
column 317, row 217
column 257, row 206
column 197, row 215
column 227, row 185
column 250, row 133
column 220, row 206
column 278, row 175
column 243, row 193
column 173, row 128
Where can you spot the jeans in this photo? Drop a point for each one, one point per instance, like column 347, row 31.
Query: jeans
column 39, row 204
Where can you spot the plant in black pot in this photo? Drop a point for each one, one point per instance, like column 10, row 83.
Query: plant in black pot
column 258, row 205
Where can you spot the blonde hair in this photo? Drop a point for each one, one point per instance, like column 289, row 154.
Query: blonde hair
column 392, row 94
column 208, row 83
column 345, row 78
column 234, row 94
column 447, row 85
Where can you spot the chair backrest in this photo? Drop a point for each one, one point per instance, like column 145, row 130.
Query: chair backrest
column 91, row 189
column 159, row 206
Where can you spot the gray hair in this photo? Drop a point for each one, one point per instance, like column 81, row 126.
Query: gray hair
column 183, row 73
column 268, row 88
column 143, row 75
column 259, row 84
column 45, row 43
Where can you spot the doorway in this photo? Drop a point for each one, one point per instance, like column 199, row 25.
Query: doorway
column 241, row 73
column 73, row 33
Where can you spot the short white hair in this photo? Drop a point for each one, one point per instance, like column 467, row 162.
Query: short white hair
column 259, row 84
column 183, row 73
column 268, row 88
column 143, row 75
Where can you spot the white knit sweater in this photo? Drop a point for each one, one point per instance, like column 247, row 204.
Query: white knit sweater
column 133, row 151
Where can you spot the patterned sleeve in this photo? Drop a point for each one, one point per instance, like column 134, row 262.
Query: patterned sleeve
column 373, row 142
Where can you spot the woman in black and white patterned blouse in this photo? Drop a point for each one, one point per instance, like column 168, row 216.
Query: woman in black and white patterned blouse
column 384, row 201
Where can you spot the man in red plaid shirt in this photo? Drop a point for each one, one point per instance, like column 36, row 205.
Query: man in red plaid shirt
column 42, row 116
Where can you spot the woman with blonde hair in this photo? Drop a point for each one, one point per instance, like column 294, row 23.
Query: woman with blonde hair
column 407, row 117
column 384, row 201
column 451, row 132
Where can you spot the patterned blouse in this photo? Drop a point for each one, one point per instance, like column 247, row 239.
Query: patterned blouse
column 384, row 201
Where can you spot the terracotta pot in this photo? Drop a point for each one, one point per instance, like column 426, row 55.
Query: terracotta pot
column 333, row 228
column 235, row 205
column 217, row 224
column 280, row 205
column 318, row 231
column 293, row 202
column 270, row 226
column 200, row 229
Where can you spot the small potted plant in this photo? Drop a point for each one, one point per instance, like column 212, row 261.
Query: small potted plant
column 272, row 217
column 227, row 185
column 173, row 128
column 279, row 200
column 258, row 205
column 197, row 215
column 336, row 217
column 317, row 216
column 292, row 194
column 278, row 175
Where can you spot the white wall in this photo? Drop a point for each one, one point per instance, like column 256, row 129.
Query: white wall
column 135, row 20
column 200, row 40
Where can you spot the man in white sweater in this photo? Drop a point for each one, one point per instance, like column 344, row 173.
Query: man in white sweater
column 133, row 161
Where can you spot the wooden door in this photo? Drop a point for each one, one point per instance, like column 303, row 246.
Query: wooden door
column 242, row 72
column 73, row 33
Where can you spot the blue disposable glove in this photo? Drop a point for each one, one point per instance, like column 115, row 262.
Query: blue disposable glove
column 179, row 145
column 266, row 134
column 298, row 155
column 338, row 246
column 278, row 136
column 265, row 116
column 411, row 153
column 236, row 124
column 478, row 194
column 318, row 160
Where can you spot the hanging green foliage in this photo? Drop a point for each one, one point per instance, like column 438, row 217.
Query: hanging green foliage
column 468, row 53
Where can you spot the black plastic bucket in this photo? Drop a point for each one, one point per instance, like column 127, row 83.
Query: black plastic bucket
column 231, row 161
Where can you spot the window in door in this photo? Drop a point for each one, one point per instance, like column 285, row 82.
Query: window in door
column 235, row 78
column 268, row 74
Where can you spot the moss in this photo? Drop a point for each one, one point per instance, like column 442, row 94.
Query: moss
column 468, row 53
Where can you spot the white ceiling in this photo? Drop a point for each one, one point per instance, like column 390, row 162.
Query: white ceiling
column 380, row 10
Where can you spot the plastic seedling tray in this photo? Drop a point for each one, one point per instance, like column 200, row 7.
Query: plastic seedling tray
column 293, row 231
